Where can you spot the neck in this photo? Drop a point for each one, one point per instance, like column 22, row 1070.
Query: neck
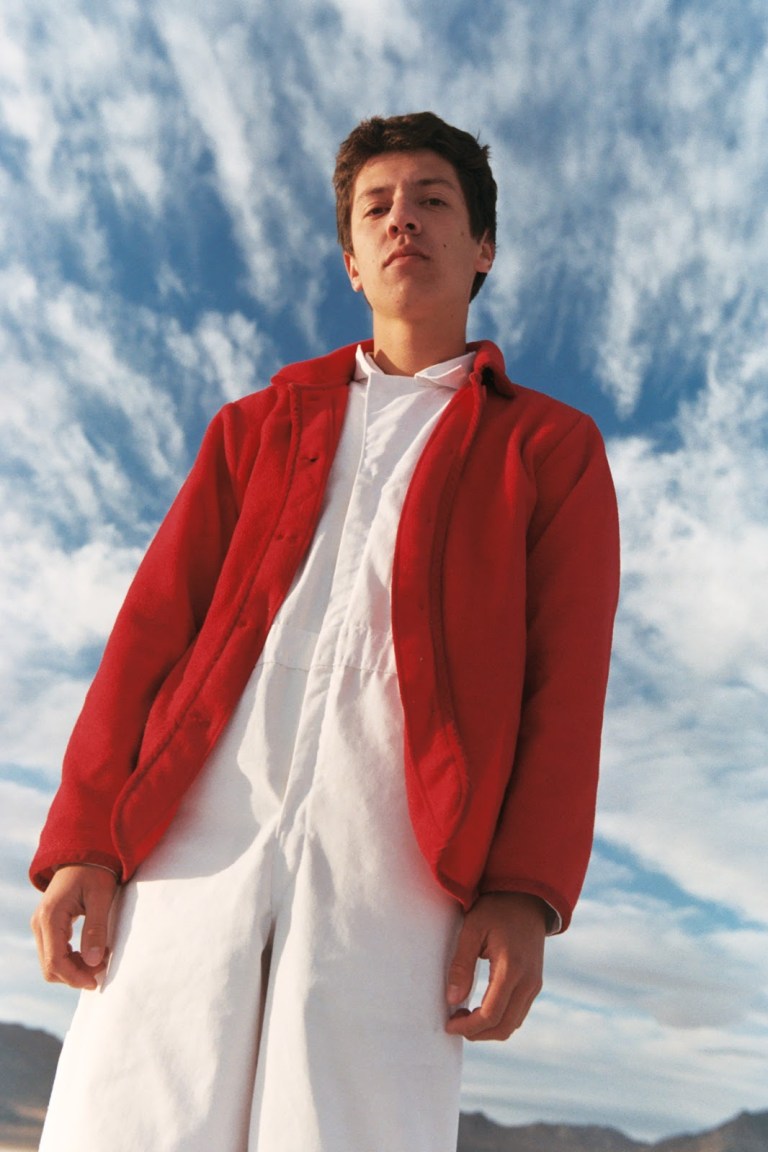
column 405, row 349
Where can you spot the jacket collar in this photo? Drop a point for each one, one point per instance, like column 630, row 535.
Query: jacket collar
column 489, row 367
column 338, row 367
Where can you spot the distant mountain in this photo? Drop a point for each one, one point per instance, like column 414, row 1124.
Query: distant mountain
column 747, row 1132
column 28, row 1062
column 479, row 1134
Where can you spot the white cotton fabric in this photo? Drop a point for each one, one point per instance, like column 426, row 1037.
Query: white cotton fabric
column 277, row 982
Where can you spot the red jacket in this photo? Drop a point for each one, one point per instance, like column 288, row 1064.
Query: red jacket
column 504, row 591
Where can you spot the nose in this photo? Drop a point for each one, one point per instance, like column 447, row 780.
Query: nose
column 403, row 218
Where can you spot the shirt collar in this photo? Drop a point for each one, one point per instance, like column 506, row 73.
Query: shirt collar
column 449, row 374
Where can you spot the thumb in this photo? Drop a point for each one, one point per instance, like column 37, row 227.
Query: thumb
column 461, row 971
column 93, row 941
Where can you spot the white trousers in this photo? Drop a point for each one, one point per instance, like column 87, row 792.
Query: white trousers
column 278, row 968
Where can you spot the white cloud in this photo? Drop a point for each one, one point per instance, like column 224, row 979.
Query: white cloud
column 56, row 598
column 38, row 713
column 685, row 784
column 207, row 89
column 64, row 375
column 59, row 73
column 380, row 27
column 97, row 132
column 132, row 126
column 244, row 118
column 687, row 795
column 227, row 353
column 637, row 955
column 690, row 239
column 571, row 1064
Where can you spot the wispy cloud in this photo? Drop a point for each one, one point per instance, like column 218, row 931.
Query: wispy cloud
column 685, row 783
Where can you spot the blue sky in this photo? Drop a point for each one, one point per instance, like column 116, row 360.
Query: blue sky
column 167, row 242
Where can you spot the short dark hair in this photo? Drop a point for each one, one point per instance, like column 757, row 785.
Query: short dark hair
column 408, row 134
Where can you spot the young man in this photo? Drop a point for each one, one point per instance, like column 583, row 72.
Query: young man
column 344, row 737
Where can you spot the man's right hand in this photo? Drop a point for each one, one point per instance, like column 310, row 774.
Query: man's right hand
column 75, row 890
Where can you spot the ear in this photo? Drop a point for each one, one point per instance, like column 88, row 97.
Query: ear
column 485, row 254
column 352, row 272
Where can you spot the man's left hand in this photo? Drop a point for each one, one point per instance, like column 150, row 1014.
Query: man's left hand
column 508, row 929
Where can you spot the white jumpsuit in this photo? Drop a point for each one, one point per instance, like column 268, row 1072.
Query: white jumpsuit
column 277, row 980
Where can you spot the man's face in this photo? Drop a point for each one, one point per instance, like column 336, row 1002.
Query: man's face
column 412, row 249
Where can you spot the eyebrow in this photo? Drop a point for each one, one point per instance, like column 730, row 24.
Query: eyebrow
column 422, row 182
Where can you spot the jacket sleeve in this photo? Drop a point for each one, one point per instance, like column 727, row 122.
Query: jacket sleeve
column 158, row 621
column 544, row 834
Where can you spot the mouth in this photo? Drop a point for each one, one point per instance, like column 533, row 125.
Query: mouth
column 406, row 253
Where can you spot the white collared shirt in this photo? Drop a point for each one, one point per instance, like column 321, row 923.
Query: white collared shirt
column 387, row 424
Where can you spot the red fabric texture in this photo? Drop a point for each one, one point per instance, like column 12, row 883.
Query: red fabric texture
column 505, row 585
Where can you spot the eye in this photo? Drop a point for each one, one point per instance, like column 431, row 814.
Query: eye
column 375, row 210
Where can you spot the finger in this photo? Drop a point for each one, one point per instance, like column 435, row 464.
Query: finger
column 93, row 939
column 512, row 1019
column 39, row 941
column 492, row 1010
column 505, row 1006
column 461, row 970
column 72, row 971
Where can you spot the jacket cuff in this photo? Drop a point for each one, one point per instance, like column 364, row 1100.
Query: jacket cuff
column 42, row 871
column 557, row 920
